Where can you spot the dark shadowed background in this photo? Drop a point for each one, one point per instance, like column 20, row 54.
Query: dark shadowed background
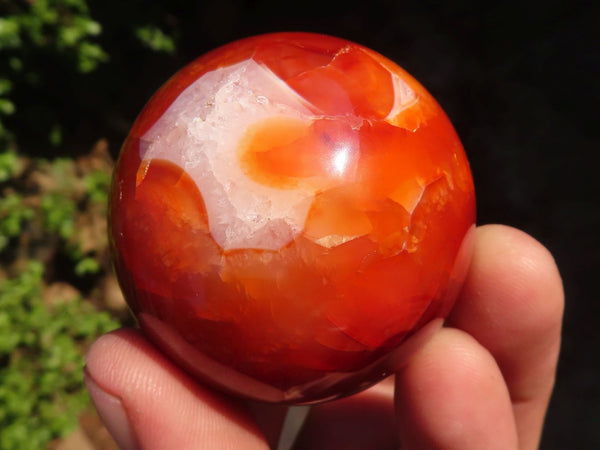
column 519, row 80
column 521, row 83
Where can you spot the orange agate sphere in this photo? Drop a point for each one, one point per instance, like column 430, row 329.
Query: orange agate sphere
column 291, row 216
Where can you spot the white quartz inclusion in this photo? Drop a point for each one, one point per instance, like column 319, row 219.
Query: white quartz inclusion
column 201, row 132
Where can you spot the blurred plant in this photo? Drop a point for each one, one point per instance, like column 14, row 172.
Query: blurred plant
column 97, row 185
column 58, row 213
column 8, row 165
column 47, row 49
column 41, row 362
column 56, row 92
column 37, row 33
column 13, row 214
column 46, row 209
column 62, row 208
column 155, row 39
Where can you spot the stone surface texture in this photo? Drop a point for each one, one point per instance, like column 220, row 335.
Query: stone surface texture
column 287, row 213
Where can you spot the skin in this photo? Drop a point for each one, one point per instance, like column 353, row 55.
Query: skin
column 483, row 381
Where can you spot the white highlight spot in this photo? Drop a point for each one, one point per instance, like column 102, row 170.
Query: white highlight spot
column 340, row 160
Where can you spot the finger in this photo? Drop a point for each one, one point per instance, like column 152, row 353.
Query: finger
column 512, row 303
column 451, row 395
column 146, row 402
column 362, row 421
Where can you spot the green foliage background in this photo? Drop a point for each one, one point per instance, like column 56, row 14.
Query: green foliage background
column 62, row 72
column 41, row 378
column 57, row 64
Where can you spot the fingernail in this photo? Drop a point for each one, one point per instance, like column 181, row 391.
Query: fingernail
column 112, row 413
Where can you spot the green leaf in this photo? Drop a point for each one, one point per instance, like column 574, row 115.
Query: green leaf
column 154, row 38
column 13, row 212
column 59, row 214
column 6, row 107
column 87, row 266
column 5, row 86
column 97, row 185
column 90, row 56
column 8, row 166
column 9, row 33
column 91, row 27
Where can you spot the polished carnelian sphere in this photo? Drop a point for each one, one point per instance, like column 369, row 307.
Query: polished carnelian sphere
column 291, row 216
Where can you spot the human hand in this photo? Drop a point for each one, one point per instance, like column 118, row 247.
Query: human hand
column 482, row 382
